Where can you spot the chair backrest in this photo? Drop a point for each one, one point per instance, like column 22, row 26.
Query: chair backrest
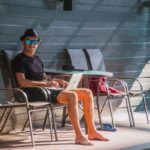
column 96, row 62
column 77, row 58
column 8, row 55
column 7, row 76
column 95, row 58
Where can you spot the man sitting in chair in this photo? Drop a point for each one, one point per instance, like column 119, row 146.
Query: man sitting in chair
column 28, row 70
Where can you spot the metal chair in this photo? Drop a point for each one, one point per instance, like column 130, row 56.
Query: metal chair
column 96, row 60
column 18, row 97
column 138, row 92
column 79, row 61
column 8, row 57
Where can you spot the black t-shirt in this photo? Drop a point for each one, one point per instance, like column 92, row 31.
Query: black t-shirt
column 32, row 67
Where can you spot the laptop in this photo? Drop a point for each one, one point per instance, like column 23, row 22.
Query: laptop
column 73, row 82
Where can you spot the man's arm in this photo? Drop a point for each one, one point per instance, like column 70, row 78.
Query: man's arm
column 23, row 82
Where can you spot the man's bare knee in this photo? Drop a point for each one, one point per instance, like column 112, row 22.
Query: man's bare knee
column 72, row 97
column 88, row 94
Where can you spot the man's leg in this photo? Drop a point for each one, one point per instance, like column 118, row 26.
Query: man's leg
column 70, row 98
column 86, row 96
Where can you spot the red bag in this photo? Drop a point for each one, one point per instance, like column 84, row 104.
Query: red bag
column 102, row 88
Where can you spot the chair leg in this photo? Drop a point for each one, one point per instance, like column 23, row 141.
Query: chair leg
column 99, row 111
column 103, row 105
column 26, row 122
column 54, row 124
column 111, row 113
column 102, row 108
column 131, row 111
column 44, row 124
column 31, row 128
column 3, row 114
column 145, row 108
column 85, row 124
column 50, row 125
column 110, row 109
column 65, row 115
column 128, row 110
column 82, row 118
column 86, row 127
column 8, row 116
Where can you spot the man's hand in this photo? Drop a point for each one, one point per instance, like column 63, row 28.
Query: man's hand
column 64, row 83
column 52, row 83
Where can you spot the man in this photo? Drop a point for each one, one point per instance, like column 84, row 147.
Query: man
column 28, row 70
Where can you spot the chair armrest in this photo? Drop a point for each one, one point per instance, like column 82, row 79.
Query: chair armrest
column 24, row 95
column 135, row 79
column 47, row 92
column 42, row 89
column 121, row 83
column 14, row 90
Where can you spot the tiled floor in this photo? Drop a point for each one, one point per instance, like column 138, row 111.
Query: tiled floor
column 125, row 138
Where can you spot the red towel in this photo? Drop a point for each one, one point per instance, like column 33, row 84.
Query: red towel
column 102, row 88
